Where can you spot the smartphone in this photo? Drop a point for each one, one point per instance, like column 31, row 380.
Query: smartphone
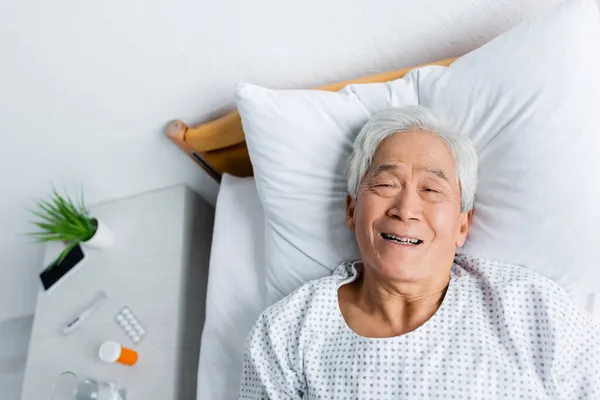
column 58, row 271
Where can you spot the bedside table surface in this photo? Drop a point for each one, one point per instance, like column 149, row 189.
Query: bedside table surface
column 144, row 270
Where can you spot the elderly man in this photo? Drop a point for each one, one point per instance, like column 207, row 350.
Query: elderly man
column 410, row 319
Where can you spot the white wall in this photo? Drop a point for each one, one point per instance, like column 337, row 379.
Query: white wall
column 86, row 86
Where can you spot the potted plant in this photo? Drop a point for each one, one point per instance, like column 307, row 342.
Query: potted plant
column 63, row 220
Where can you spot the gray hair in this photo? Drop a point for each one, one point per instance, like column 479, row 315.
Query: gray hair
column 412, row 118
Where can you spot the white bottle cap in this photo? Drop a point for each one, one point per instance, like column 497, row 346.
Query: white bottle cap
column 109, row 351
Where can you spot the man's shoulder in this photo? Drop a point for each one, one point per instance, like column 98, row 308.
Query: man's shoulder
column 518, row 288
column 300, row 305
column 525, row 295
column 498, row 275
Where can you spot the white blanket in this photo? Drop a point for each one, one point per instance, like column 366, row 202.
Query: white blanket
column 502, row 331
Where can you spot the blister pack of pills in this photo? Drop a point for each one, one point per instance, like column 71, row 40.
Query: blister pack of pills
column 130, row 324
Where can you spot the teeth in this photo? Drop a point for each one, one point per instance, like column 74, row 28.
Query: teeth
column 401, row 239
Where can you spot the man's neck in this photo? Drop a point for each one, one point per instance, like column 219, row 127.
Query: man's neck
column 399, row 307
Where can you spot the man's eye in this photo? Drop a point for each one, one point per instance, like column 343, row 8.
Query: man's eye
column 431, row 190
column 384, row 185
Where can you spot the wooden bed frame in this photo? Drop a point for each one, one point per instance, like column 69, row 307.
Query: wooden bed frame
column 219, row 146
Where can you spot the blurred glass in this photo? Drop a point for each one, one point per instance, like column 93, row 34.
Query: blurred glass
column 69, row 386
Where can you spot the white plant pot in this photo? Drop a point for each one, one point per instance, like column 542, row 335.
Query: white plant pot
column 102, row 239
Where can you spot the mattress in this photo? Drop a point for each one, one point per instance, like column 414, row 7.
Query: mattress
column 236, row 288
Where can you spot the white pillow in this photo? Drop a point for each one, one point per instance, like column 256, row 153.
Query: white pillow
column 527, row 99
column 299, row 142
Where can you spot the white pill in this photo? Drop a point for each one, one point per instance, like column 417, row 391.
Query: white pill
column 141, row 331
column 135, row 338
column 120, row 317
column 126, row 311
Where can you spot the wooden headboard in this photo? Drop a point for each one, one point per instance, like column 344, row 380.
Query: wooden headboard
column 219, row 146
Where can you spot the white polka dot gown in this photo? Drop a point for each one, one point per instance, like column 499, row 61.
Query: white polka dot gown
column 502, row 332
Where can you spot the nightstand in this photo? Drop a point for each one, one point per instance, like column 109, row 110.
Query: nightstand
column 158, row 267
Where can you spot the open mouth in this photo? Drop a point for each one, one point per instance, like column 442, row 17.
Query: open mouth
column 401, row 239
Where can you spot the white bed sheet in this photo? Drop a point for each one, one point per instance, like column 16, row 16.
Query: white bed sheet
column 594, row 307
column 236, row 288
column 236, row 292
column 590, row 302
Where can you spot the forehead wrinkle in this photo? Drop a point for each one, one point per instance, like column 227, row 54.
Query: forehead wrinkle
column 386, row 167
column 422, row 163
column 434, row 171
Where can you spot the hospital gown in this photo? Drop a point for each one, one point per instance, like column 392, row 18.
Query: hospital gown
column 502, row 331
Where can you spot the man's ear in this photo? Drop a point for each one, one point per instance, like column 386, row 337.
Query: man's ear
column 350, row 206
column 465, row 222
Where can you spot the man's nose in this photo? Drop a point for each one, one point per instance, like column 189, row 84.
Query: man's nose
column 407, row 205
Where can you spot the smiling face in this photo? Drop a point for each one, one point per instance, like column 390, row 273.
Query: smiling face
column 407, row 216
